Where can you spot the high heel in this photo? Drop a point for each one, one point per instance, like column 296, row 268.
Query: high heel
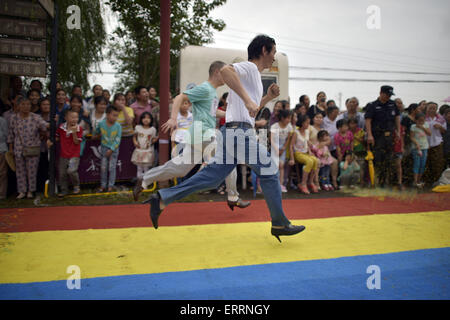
column 155, row 210
column 313, row 188
column 303, row 189
column 239, row 203
column 289, row 230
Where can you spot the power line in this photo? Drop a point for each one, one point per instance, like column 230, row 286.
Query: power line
column 339, row 55
column 370, row 71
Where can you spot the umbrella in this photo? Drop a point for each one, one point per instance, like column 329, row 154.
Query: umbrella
column 10, row 160
column 369, row 159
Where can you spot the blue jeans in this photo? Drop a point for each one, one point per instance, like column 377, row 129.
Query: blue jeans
column 108, row 168
column 419, row 161
column 324, row 174
column 240, row 147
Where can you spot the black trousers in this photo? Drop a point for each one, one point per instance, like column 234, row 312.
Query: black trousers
column 42, row 174
column 383, row 154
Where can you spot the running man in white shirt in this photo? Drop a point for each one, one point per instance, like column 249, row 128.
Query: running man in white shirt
column 237, row 143
column 201, row 136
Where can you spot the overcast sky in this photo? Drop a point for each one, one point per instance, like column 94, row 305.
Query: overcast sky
column 413, row 37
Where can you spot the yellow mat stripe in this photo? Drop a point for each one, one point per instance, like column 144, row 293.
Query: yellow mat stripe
column 45, row 256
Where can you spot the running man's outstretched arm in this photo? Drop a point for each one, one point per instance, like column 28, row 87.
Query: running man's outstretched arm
column 177, row 103
column 231, row 79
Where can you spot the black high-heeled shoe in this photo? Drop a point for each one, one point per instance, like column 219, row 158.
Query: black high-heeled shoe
column 155, row 210
column 289, row 230
column 239, row 203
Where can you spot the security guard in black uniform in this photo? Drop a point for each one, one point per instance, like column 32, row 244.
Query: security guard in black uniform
column 382, row 118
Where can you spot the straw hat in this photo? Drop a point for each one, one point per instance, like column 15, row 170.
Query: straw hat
column 10, row 160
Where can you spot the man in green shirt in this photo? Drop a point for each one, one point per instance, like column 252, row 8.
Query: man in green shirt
column 202, row 133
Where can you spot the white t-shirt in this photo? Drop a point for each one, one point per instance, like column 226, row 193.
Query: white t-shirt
column 436, row 137
column 283, row 133
column 251, row 81
column 330, row 126
column 183, row 125
column 95, row 121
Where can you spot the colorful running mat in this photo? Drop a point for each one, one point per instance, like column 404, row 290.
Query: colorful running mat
column 352, row 248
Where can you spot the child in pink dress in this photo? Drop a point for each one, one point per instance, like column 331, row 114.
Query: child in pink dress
column 343, row 139
column 321, row 151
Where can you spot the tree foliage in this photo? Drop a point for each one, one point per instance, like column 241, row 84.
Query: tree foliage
column 79, row 50
column 134, row 45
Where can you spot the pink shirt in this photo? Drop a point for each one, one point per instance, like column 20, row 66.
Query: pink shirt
column 323, row 154
column 139, row 109
column 344, row 142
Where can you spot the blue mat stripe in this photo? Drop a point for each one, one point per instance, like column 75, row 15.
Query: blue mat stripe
column 421, row 274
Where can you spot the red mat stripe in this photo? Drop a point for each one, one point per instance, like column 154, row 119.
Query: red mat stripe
column 179, row 214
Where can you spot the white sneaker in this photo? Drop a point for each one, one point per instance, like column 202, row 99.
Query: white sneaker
column 21, row 195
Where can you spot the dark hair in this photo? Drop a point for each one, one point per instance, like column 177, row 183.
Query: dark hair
column 331, row 109
column 348, row 153
column 118, row 95
column 255, row 48
column 59, row 90
column 225, row 96
column 420, row 115
column 321, row 134
column 340, row 123
column 99, row 99
column 284, row 103
column 221, row 103
column 42, row 100
column 77, row 97
column 317, row 95
column 443, row 108
column 298, row 106
column 138, row 89
column 110, row 109
column 330, row 101
column 36, row 80
column 216, row 65
column 146, row 113
column 412, row 107
column 302, row 99
column 301, row 119
column 96, row 85
column 283, row 114
column 76, row 86
column 447, row 110
column 66, row 112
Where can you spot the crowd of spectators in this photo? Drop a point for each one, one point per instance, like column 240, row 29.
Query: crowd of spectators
column 329, row 145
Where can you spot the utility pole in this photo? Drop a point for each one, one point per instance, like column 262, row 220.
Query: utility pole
column 164, row 84
column 53, row 79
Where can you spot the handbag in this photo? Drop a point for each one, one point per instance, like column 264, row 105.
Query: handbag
column 31, row 151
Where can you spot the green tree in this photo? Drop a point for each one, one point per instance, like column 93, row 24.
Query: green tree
column 79, row 50
column 134, row 45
